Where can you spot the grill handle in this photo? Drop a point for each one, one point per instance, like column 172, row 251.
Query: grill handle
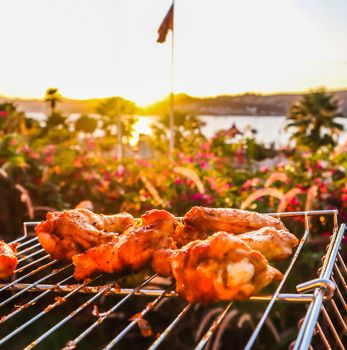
column 325, row 284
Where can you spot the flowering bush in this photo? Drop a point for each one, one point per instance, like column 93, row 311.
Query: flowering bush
column 58, row 168
column 52, row 168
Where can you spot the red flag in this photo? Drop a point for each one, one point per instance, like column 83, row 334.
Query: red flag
column 166, row 25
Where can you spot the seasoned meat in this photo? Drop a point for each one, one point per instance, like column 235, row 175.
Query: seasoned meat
column 8, row 259
column 273, row 240
column 130, row 251
column 229, row 220
column 71, row 232
column 272, row 243
column 184, row 234
column 221, row 267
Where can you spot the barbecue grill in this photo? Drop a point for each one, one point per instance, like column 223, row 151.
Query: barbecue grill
column 43, row 307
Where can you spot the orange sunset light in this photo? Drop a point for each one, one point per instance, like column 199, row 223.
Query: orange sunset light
column 105, row 48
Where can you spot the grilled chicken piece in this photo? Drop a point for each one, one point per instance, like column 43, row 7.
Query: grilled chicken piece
column 130, row 251
column 221, row 267
column 184, row 234
column 271, row 237
column 71, row 232
column 229, row 220
column 273, row 244
column 8, row 259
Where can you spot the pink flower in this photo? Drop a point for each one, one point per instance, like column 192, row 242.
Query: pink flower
column 251, row 183
column 203, row 164
column 203, row 198
column 212, row 182
column 141, row 162
column 48, row 160
column 107, row 176
column 50, row 149
column 34, row 155
column 205, row 146
column 264, row 169
column 90, row 144
column 319, row 165
column 120, row 172
column 178, row 181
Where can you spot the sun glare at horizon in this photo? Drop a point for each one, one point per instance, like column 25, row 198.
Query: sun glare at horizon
column 223, row 48
column 141, row 127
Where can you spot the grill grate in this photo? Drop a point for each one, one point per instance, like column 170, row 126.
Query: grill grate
column 44, row 307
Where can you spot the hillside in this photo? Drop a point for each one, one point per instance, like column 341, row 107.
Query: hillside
column 246, row 104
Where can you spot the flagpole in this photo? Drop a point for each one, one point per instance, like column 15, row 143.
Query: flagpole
column 119, row 131
column 172, row 102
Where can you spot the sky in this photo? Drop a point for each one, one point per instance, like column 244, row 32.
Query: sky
column 99, row 48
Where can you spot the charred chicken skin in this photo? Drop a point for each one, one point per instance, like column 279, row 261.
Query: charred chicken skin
column 221, row 267
column 8, row 259
column 130, row 251
column 71, row 232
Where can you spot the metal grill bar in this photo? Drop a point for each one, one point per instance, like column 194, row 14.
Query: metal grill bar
column 213, row 328
column 33, row 263
column 28, row 274
column 28, row 249
column 343, row 282
column 26, row 243
column 306, row 213
column 32, row 302
column 143, row 313
column 18, row 240
column 172, row 325
column 339, row 317
column 339, row 294
column 42, row 313
column 332, row 261
column 69, row 317
column 26, row 224
column 307, row 328
column 109, row 312
column 273, row 299
column 323, row 337
column 31, row 255
column 284, row 297
column 53, row 273
column 332, row 328
column 344, row 268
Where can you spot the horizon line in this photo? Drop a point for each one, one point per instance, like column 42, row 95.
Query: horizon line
column 250, row 92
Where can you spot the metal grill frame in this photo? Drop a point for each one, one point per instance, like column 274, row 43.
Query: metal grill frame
column 322, row 291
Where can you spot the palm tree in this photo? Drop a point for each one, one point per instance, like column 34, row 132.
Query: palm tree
column 187, row 131
column 52, row 98
column 313, row 117
column 117, row 111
